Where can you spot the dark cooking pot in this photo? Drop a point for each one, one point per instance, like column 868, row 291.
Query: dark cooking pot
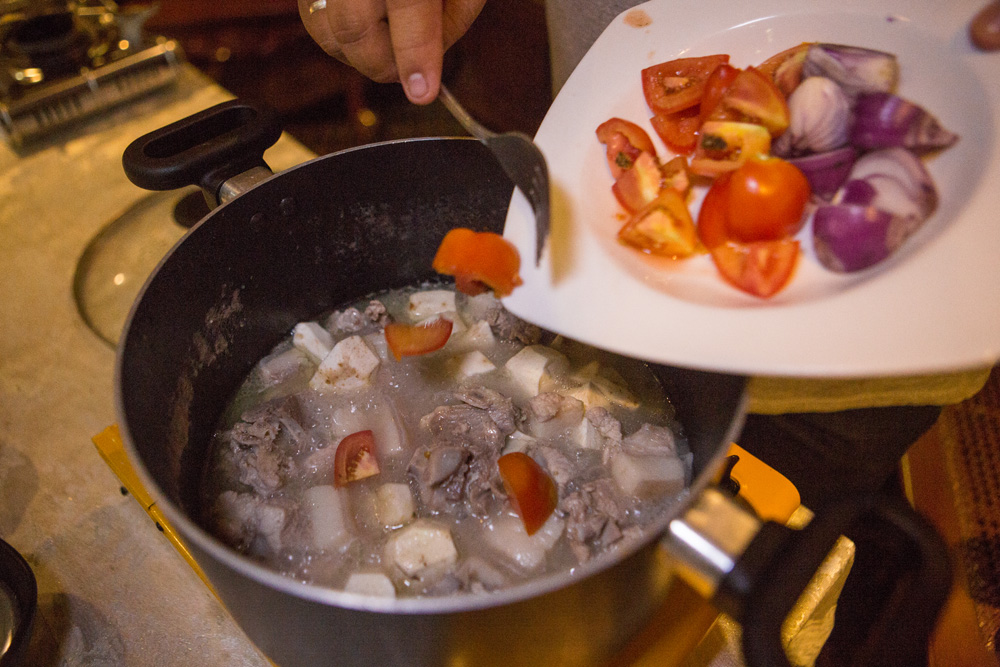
column 282, row 249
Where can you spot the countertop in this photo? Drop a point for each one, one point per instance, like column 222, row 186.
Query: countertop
column 111, row 589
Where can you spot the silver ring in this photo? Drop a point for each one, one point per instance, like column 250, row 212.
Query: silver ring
column 316, row 5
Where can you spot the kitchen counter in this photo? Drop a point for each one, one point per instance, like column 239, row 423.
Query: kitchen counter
column 111, row 589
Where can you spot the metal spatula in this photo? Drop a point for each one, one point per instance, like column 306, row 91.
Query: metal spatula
column 520, row 158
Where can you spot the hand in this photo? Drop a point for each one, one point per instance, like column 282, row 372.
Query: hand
column 392, row 40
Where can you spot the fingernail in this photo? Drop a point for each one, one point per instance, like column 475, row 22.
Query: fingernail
column 416, row 85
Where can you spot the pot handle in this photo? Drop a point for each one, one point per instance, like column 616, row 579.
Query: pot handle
column 767, row 580
column 205, row 149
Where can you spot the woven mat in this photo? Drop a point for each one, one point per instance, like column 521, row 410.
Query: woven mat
column 970, row 435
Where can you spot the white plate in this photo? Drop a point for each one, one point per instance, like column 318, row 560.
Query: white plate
column 934, row 306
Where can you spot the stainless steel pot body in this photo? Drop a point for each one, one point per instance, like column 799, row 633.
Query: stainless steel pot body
column 300, row 243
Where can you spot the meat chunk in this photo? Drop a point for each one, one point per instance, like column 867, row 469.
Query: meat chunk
column 249, row 523
column 508, row 327
column 651, row 440
column 594, row 517
column 500, row 408
column 349, row 320
column 377, row 313
column 458, row 471
column 255, row 451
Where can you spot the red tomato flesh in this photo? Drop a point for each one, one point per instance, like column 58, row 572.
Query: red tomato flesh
column 767, row 199
column 725, row 145
column 478, row 259
column 716, row 85
column 355, row 458
column 678, row 84
column 532, row 491
column 752, row 97
column 663, row 227
column 639, row 185
column 411, row 340
column 679, row 130
column 625, row 141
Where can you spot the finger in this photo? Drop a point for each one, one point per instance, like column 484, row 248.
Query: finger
column 361, row 31
column 315, row 21
column 458, row 17
column 418, row 44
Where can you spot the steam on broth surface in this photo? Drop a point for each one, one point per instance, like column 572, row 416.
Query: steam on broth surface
column 429, row 513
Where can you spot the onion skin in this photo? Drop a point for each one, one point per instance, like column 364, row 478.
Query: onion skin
column 826, row 172
column 850, row 238
column 857, row 70
column 984, row 31
column 914, row 186
column 882, row 120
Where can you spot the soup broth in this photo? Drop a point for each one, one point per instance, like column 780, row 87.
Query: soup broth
column 339, row 465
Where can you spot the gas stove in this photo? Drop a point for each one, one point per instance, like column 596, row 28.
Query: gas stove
column 62, row 61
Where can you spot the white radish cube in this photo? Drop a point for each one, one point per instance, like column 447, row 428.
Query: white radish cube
column 587, row 436
column 518, row 442
column 420, row 545
column 532, row 363
column 327, row 515
column 394, row 504
column 370, row 583
column 473, row 363
column 312, row 339
column 349, row 366
column 506, row 534
column 376, row 341
column 648, row 476
column 479, row 336
column 431, row 302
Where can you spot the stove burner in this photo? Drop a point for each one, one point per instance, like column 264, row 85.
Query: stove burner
column 61, row 61
column 51, row 42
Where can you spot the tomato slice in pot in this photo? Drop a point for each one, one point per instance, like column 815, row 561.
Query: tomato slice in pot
column 761, row 268
column 678, row 84
column 355, row 458
column 663, row 227
column 411, row 340
column 531, row 490
column 639, row 185
column 624, row 141
column 476, row 259
column 725, row 145
column 767, row 200
column 679, row 130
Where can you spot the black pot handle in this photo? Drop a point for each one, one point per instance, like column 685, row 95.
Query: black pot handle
column 204, row 149
column 779, row 563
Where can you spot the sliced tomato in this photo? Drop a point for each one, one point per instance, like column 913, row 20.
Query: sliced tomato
column 624, row 141
column 679, row 130
column 531, row 490
column 411, row 340
column 478, row 259
column 753, row 98
column 676, row 176
column 355, row 458
column 663, row 227
column 785, row 68
column 639, row 185
column 761, row 268
column 715, row 88
column 725, row 145
column 767, row 199
column 678, row 84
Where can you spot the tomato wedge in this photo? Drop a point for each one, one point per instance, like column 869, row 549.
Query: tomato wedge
column 411, row 340
column 785, row 68
column 752, row 97
column 760, row 268
column 479, row 261
column 679, row 130
column 678, row 84
column 663, row 227
column 355, row 458
column 639, row 185
column 532, row 491
column 725, row 145
column 715, row 88
column 625, row 141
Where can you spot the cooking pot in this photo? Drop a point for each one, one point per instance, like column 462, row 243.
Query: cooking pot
column 279, row 249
